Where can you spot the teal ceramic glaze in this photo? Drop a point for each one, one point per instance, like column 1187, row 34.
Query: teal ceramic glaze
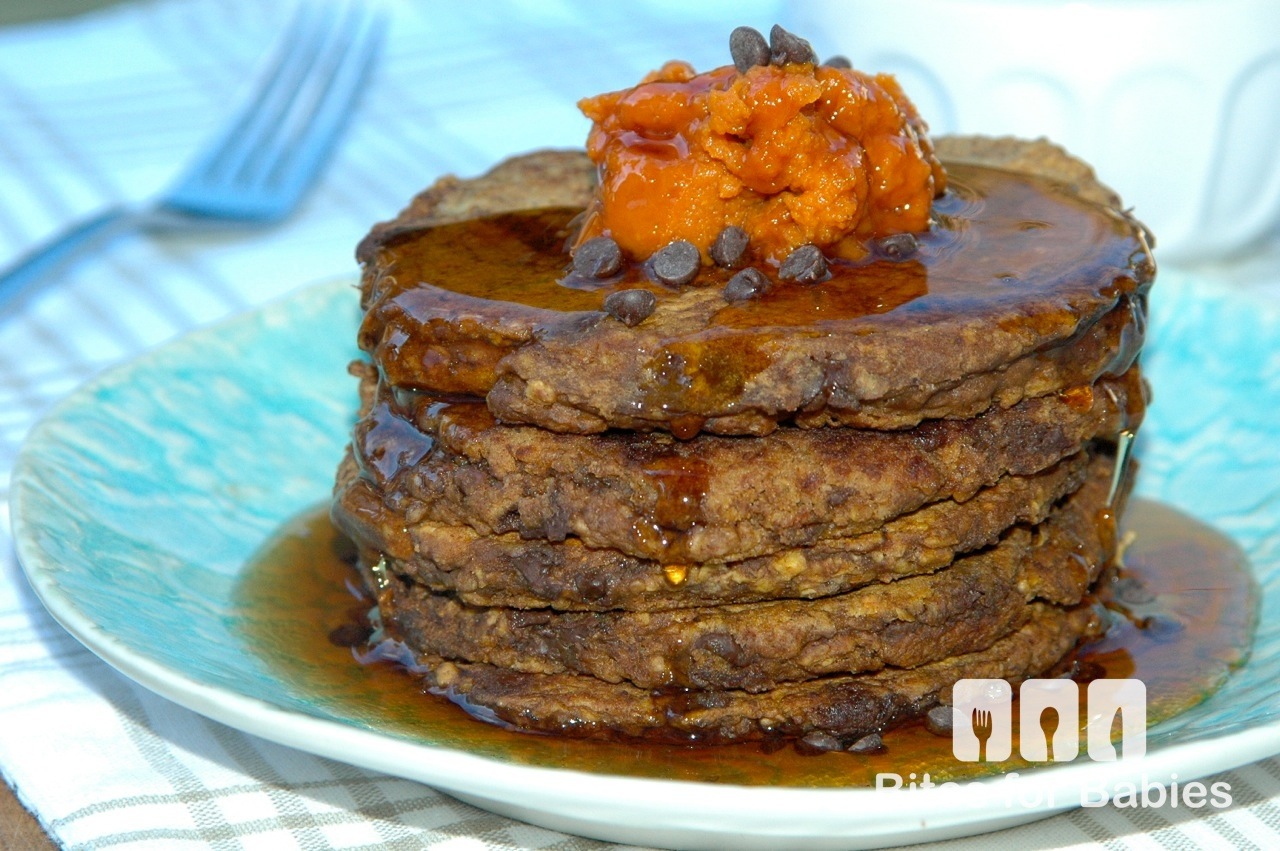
column 137, row 501
column 1211, row 447
column 140, row 497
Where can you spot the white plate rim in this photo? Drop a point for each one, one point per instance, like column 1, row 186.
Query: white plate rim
column 611, row 807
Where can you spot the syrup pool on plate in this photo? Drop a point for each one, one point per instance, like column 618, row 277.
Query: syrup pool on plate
column 1182, row 612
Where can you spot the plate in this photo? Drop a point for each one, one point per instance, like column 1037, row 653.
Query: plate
column 138, row 500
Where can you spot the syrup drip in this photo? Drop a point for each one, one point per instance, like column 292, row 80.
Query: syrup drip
column 994, row 239
column 676, row 574
column 1022, row 254
column 1183, row 611
column 681, row 484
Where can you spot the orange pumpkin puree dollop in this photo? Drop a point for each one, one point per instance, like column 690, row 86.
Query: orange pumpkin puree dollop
column 794, row 154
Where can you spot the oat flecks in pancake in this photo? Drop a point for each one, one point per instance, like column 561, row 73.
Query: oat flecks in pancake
column 757, row 646
column 507, row 570
column 553, row 370
column 848, row 707
column 718, row 498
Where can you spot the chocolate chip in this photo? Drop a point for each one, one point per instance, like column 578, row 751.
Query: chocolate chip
column 787, row 47
column 730, row 247
column 938, row 721
column 677, row 263
column 896, row 246
column 872, row 743
column 748, row 283
column 748, row 49
column 838, row 62
column 725, row 646
column 598, row 257
column 818, row 742
column 630, row 307
column 805, row 265
column 594, row 587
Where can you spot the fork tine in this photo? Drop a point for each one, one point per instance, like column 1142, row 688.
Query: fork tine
column 328, row 62
column 322, row 65
column 224, row 153
column 318, row 113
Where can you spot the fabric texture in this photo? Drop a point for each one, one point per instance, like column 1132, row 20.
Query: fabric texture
column 106, row 108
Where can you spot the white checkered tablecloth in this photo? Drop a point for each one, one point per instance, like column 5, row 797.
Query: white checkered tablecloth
column 105, row 108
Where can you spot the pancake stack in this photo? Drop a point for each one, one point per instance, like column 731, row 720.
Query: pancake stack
column 802, row 514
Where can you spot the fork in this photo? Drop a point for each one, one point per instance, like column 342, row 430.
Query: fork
column 257, row 170
column 982, row 730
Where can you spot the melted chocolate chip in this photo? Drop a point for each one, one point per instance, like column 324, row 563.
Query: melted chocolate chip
column 787, row 47
column 838, row 62
column 676, row 263
column 593, row 587
column 747, row 284
column 598, row 257
column 805, row 265
column 896, row 246
column 630, row 307
column 938, row 721
column 868, row 744
column 748, row 49
column 818, row 742
column 725, row 646
column 730, row 247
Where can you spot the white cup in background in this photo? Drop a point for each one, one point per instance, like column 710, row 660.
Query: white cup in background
column 1176, row 103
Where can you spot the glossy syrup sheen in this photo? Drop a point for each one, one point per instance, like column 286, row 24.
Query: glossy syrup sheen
column 1188, row 621
column 999, row 238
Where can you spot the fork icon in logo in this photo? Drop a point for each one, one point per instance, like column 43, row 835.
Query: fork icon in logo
column 982, row 730
column 981, row 726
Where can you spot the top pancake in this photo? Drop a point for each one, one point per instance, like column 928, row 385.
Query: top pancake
column 1031, row 281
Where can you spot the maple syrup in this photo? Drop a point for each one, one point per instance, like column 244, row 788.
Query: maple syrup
column 446, row 303
column 1182, row 611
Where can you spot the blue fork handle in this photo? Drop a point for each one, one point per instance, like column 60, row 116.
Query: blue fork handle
column 48, row 258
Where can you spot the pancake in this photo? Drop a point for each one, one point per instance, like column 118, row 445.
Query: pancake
column 962, row 608
column 773, row 426
column 1024, row 286
column 507, row 570
column 846, row 707
column 712, row 498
